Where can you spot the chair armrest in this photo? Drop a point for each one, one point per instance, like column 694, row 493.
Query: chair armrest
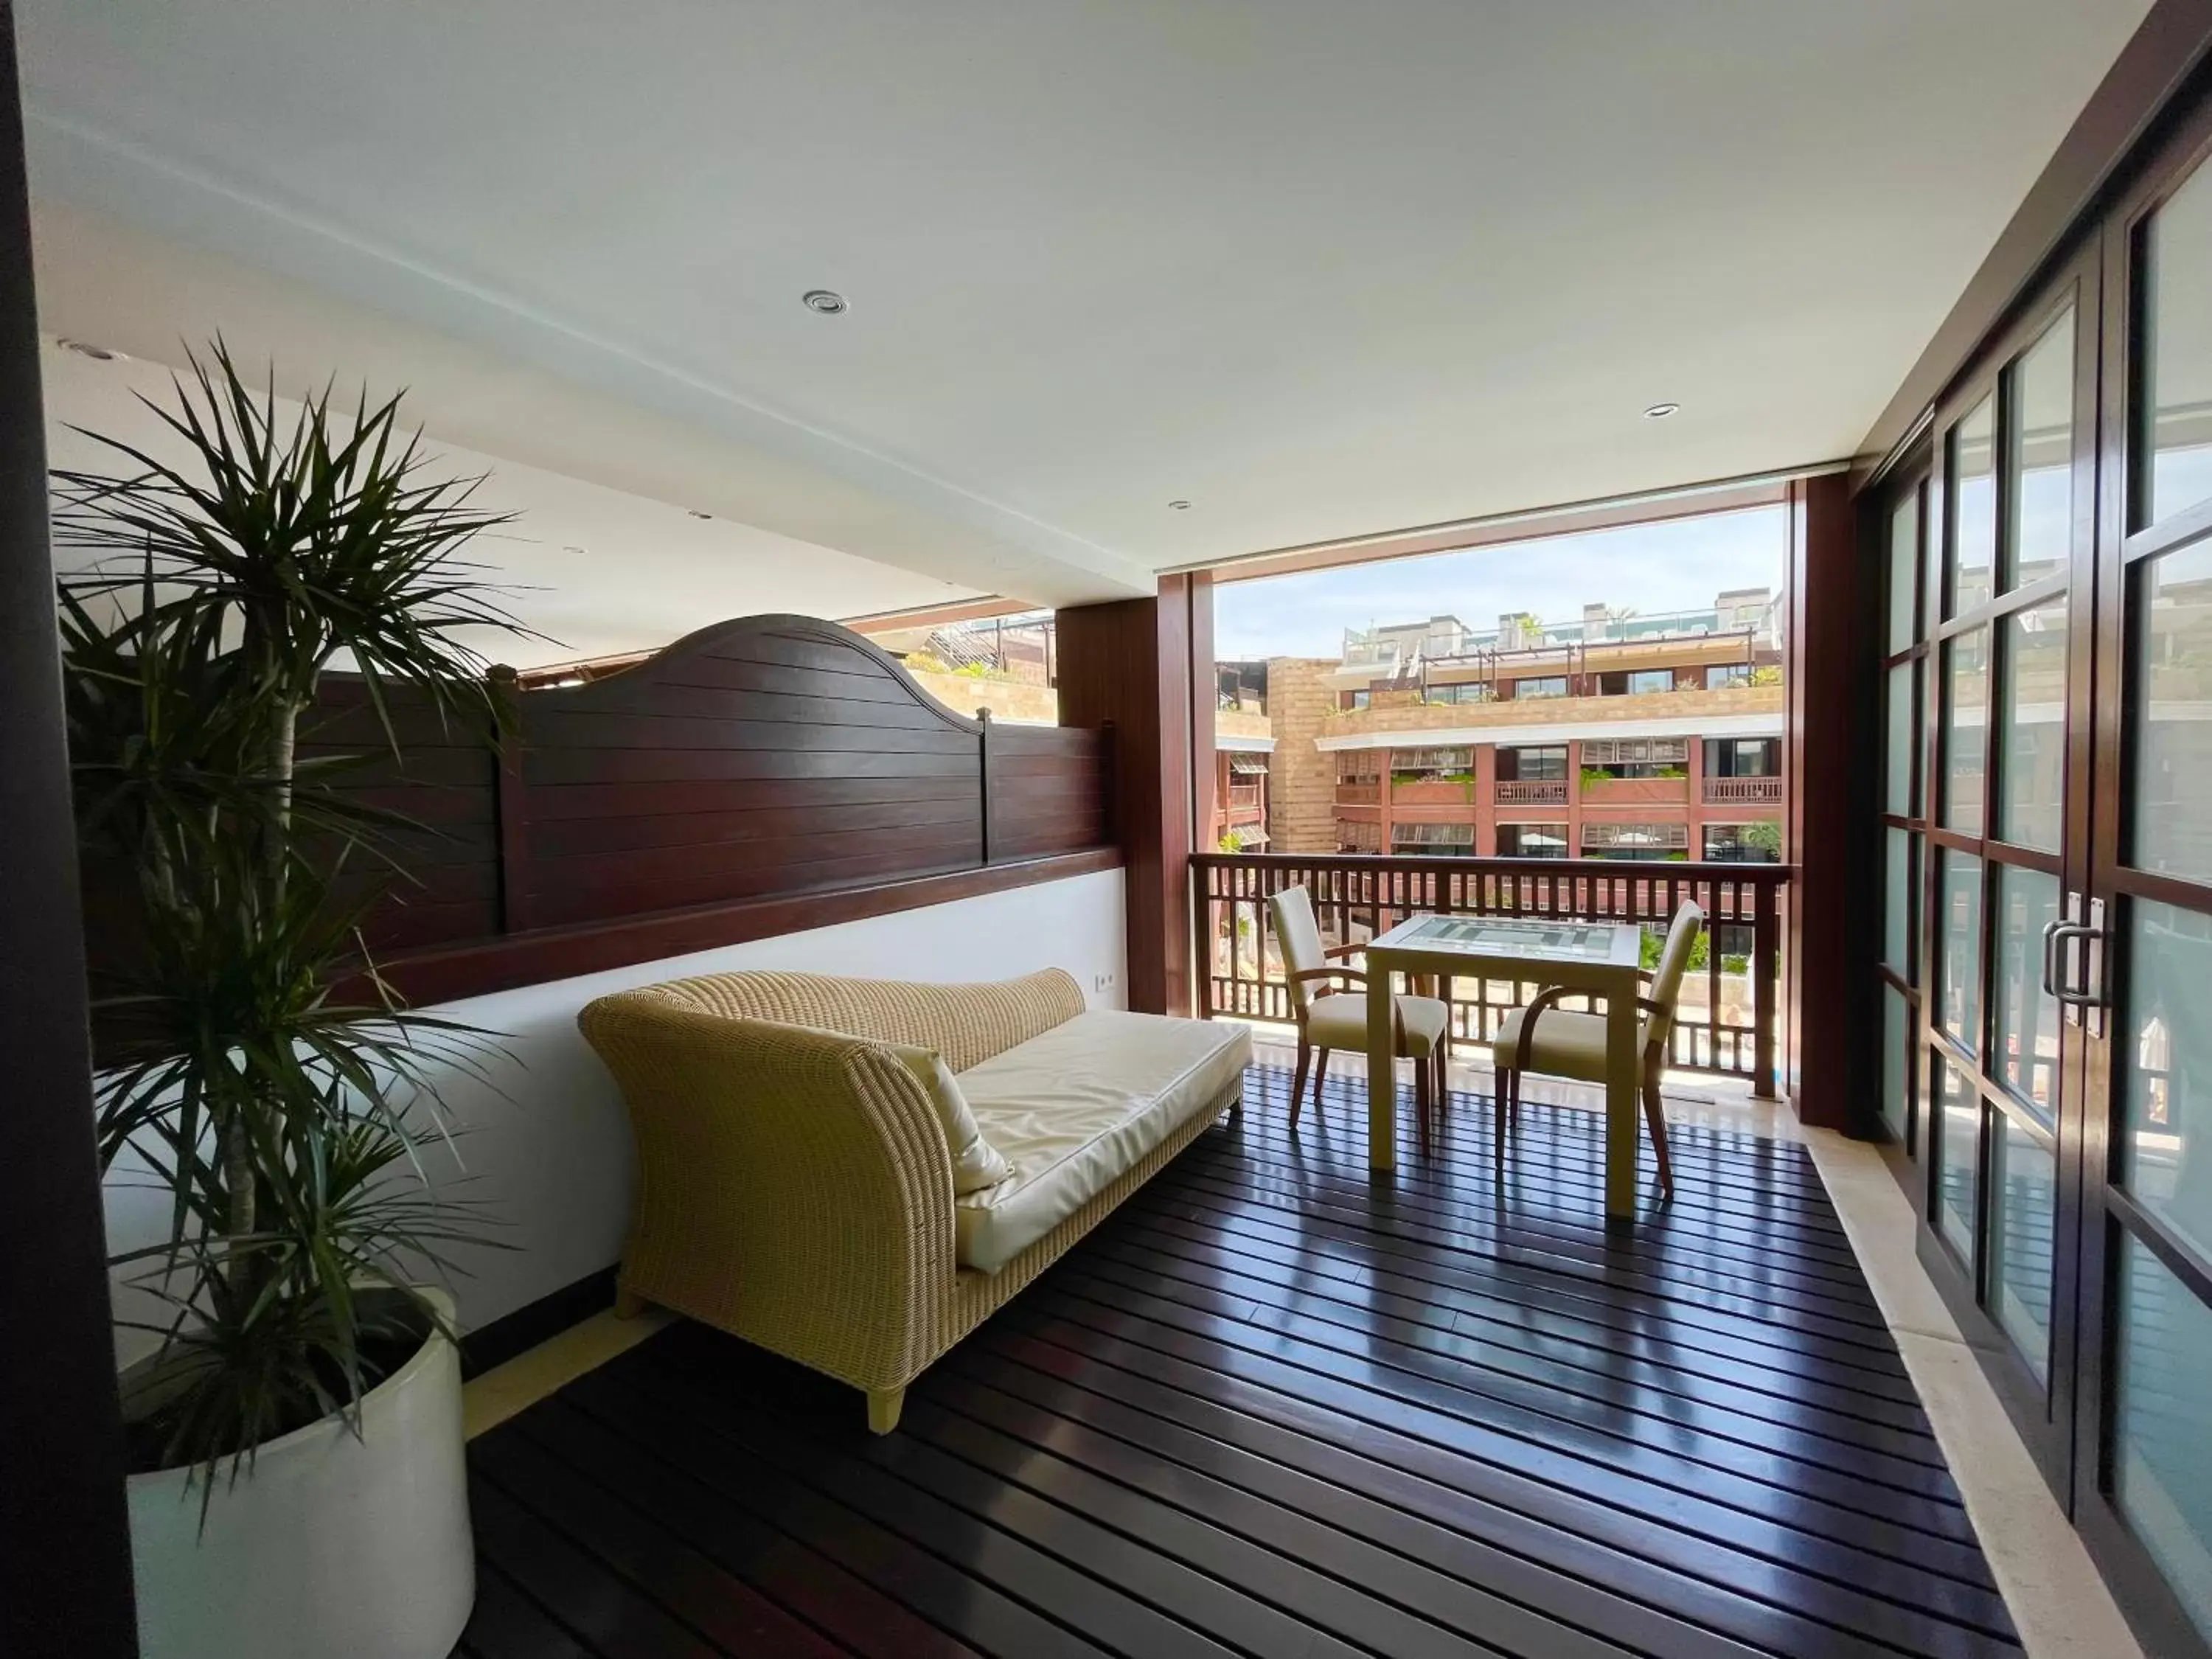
column 1304, row 974
column 1346, row 950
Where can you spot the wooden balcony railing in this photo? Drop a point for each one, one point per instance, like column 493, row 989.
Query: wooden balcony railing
column 1531, row 792
column 1730, row 791
column 1243, row 800
column 1728, row 1020
column 1359, row 794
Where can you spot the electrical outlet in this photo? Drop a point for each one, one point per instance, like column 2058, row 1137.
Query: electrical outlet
column 1102, row 981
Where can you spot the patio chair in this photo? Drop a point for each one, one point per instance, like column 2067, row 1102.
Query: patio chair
column 1327, row 1019
column 1561, row 1042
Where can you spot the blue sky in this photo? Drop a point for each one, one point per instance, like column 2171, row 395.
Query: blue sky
column 1676, row 566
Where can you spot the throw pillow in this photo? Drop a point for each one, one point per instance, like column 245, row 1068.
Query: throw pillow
column 976, row 1164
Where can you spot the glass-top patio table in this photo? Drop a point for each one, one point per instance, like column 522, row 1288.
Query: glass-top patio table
column 1603, row 958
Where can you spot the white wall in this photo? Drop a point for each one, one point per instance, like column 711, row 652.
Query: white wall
column 544, row 1141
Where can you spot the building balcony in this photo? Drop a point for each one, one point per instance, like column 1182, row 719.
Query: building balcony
column 1742, row 792
column 1530, row 792
column 1432, row 792
column 1742, row 710
column 1247, row 803
column 1359, row 795
column 1635, row 792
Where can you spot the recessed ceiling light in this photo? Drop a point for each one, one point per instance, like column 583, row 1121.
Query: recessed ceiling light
column 573, row 547
column 824, row 301
column 1661, row 411
column 696, row 513
column 1180, row 506
column 98, row 353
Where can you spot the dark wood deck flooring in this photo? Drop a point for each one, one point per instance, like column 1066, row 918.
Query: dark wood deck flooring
column 1273, row 1409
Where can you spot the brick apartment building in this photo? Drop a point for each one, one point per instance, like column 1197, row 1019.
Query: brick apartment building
column 1617, row 736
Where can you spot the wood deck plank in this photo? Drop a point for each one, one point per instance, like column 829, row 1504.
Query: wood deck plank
column 1275, row 1406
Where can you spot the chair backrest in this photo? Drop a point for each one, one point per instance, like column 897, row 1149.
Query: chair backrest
column 1299, row 934
column 1667, row 978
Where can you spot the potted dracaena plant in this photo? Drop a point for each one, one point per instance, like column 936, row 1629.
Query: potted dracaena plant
column 294, row 1434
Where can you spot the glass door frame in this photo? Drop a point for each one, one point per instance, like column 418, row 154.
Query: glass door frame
column 2042, row 1408
column 2108, row 1210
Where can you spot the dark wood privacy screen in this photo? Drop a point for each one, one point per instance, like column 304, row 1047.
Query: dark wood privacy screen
column 759, row 776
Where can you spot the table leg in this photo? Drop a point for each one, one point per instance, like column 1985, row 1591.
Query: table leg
column 1382, row 1072
column 1620, row 1106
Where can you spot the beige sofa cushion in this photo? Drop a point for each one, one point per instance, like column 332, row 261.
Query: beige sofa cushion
column 976, row 1164
column 1073, row 1108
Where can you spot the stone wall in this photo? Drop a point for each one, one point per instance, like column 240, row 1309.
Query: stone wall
column 1007, row 700
column 1302, row 781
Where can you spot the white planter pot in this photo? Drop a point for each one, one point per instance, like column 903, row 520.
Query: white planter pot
column 329, row 1545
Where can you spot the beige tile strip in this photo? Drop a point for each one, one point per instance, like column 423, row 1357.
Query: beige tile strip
column 488, row 1400
column 2057, row 1597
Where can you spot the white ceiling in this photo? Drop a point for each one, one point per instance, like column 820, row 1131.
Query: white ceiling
column 1320, row 269
column 597, row 572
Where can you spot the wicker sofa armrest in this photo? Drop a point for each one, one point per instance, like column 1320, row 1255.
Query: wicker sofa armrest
column 792, row 1185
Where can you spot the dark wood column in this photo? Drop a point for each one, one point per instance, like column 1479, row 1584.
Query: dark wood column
column 1130, row 662
column 1832, row 1037
column 65, row 1567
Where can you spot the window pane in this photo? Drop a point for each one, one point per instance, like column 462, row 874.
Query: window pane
column 1897, row 901
column 2172, row 674
column 1958, row 1137
column 1959, row 948
column 2031, row 727
column 1966, row 722
column 2026, row 1019
column 2041, row 464
column 2161, row 1455
column 2175, row 408
column 1896, row 1043
column 2023, row 1209
column 2165, row 1155
column 1973, row 496
column 1904, row 573
column 1897, row 795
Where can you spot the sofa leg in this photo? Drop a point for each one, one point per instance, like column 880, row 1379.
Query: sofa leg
column 884, row 1409
column 629, row 1305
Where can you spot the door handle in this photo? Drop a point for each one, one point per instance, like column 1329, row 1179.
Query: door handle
column 2054, row 939
column 2050, row 945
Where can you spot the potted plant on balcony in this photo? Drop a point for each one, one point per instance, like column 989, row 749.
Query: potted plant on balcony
column 295, row 1431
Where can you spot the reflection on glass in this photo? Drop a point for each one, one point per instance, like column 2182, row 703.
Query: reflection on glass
column 2172, row 675
column 1897, row 902
column 2175, row 411
column 1958, row 1136
column 2166, row 1151
column 2161, row 1455
column 1965, row 724
column 2040, row 468
column 2026, row 1019
column 1896, row 1040
column 1897, row 765
column 2023, row 1210
column 2031, row 726
column 1904, row 573
column 1973, row 496
column 1959, row 947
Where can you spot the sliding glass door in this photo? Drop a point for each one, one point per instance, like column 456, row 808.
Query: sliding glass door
column 1989, row 561
column 2145, row 971
column 2046, row 958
